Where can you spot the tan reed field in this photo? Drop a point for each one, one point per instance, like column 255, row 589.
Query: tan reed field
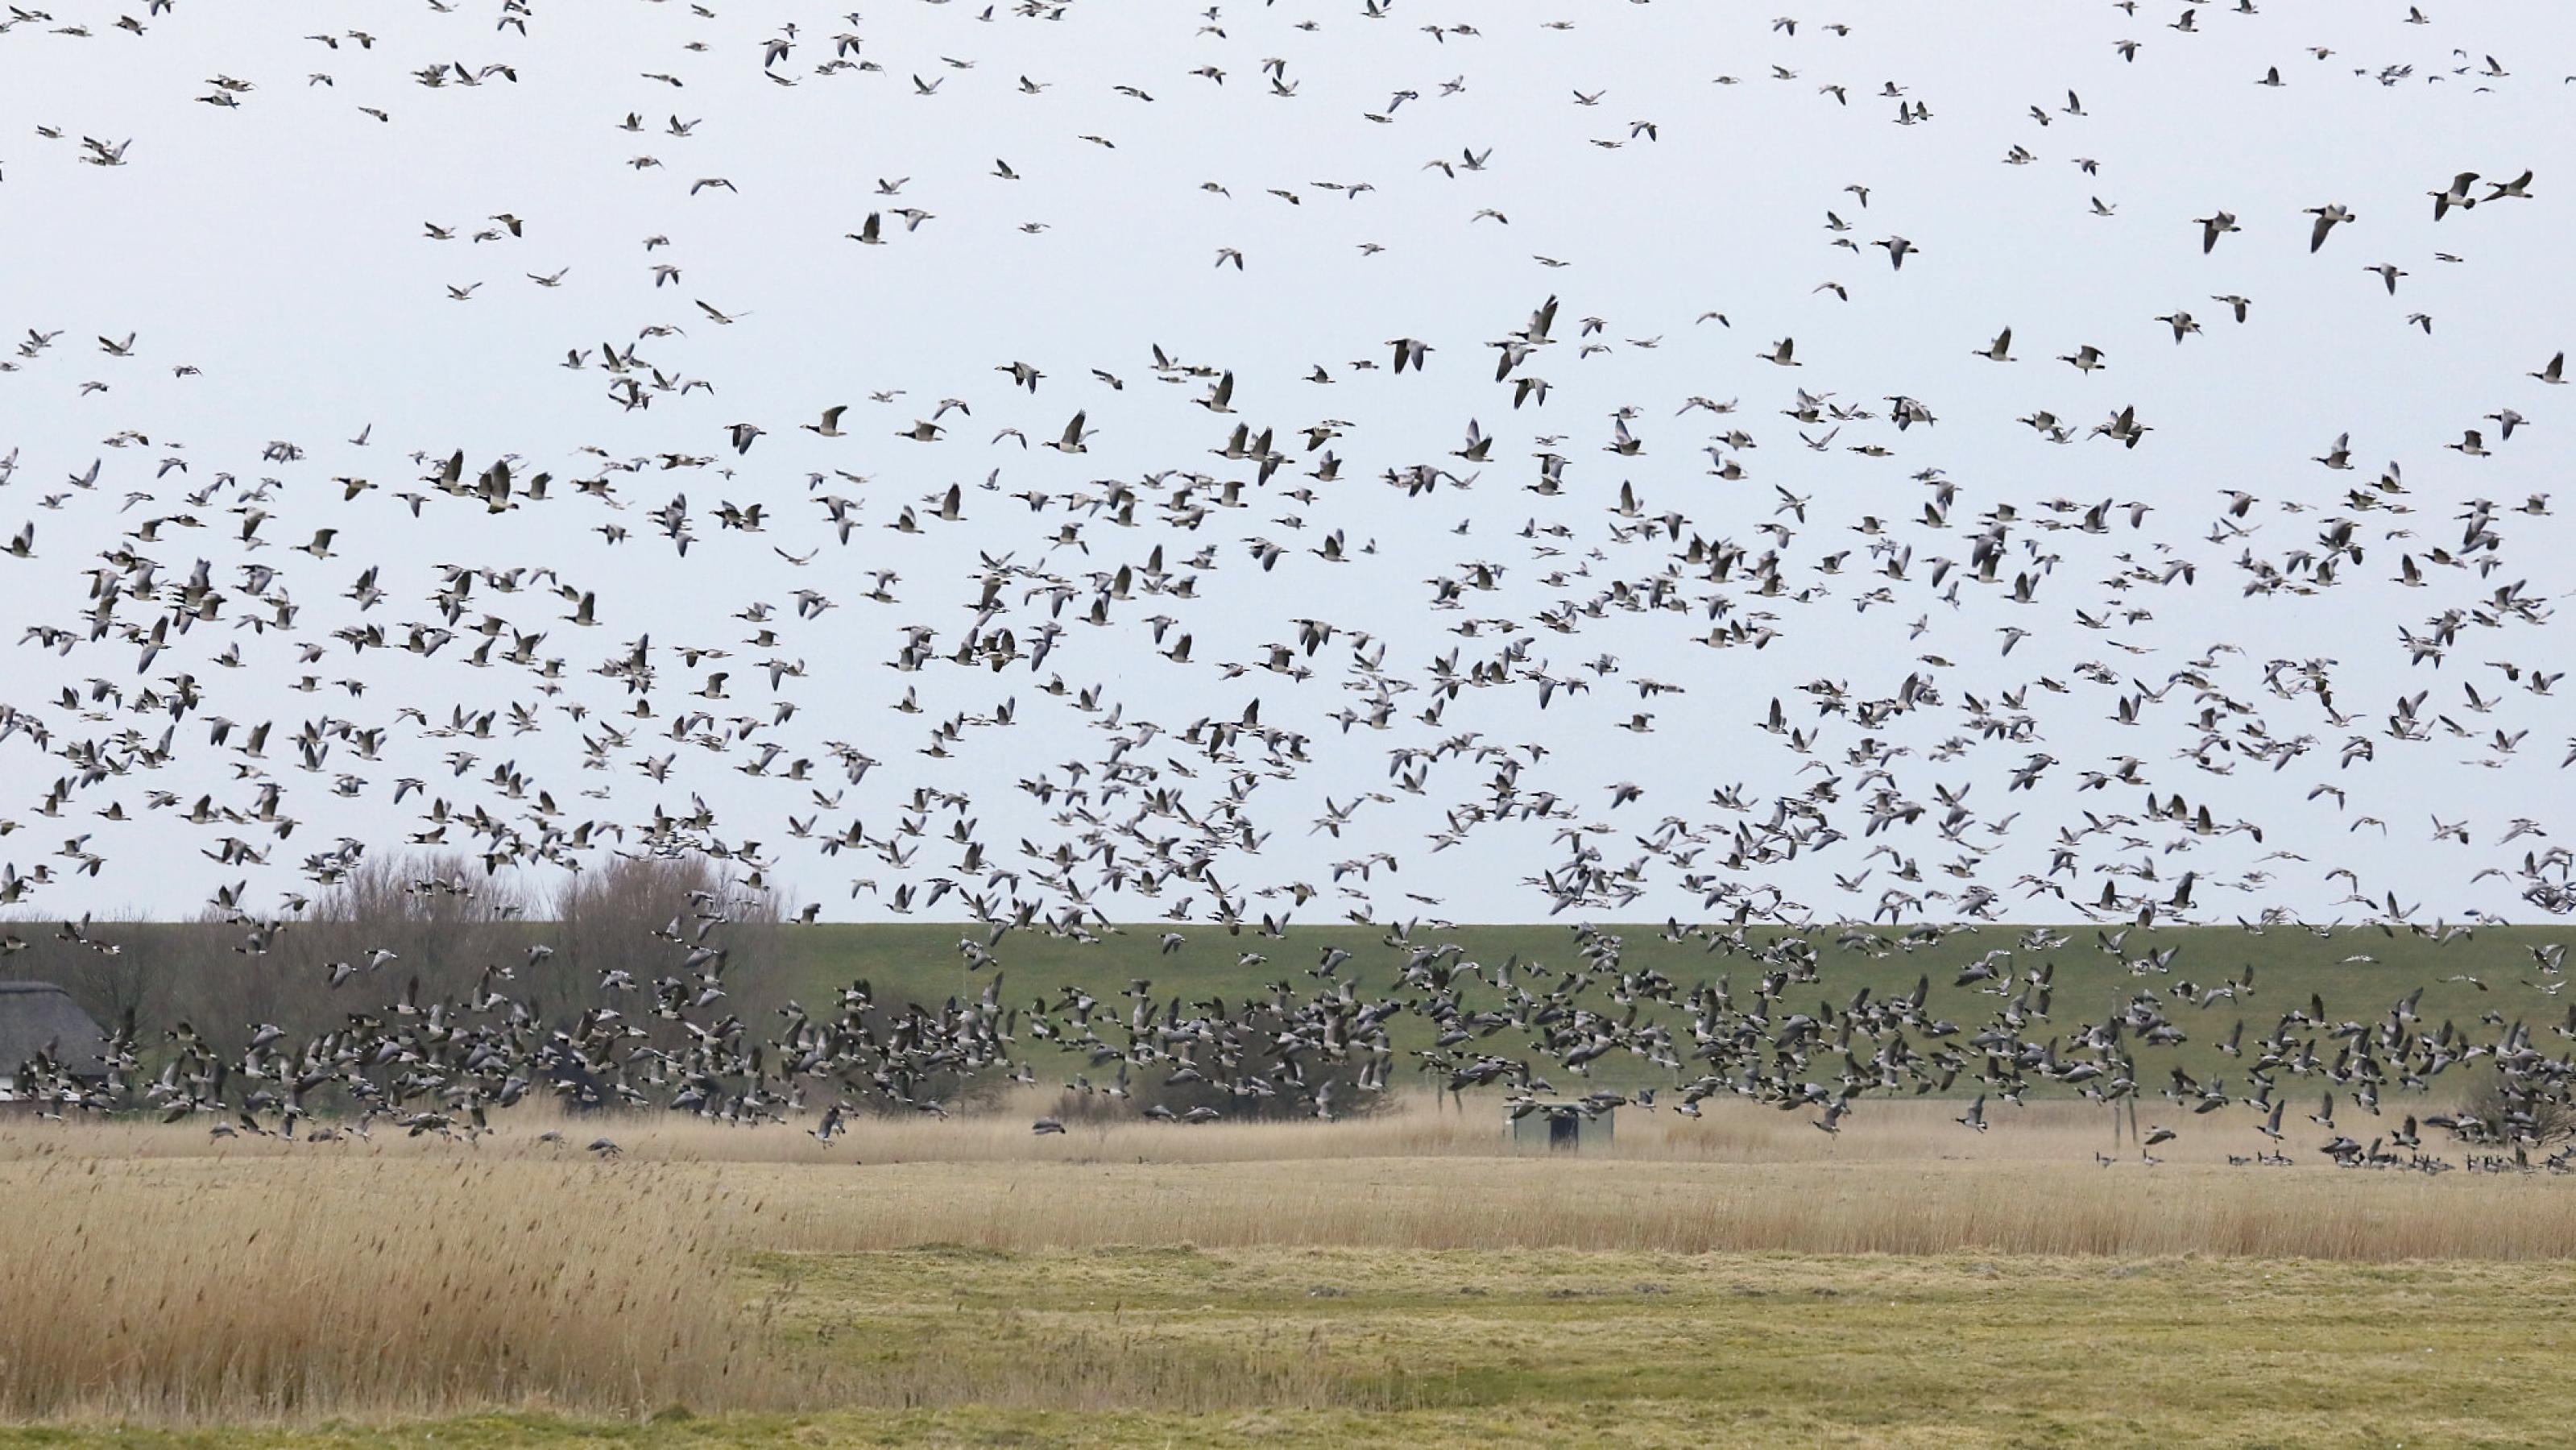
column 275, row 1288
column 189, row 1280
column 1413, row 1126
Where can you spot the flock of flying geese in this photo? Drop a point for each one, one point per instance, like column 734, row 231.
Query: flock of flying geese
column 188, row 641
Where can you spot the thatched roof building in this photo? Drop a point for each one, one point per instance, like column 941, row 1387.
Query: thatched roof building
column 39, row 1018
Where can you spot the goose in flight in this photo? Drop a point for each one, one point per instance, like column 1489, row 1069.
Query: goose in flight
column 1072, row 439
column 2327, row 216
column 2457, row 194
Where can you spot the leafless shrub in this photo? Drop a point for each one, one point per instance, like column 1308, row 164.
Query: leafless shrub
column 2526, row 1112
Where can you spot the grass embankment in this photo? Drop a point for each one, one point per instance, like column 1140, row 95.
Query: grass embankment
column 2358, row 973
column 908, row 962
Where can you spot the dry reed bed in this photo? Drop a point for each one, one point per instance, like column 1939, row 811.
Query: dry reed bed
column 1415, row 1126
column 2317, row 1212
column 282, row 1290
column 162, row 1276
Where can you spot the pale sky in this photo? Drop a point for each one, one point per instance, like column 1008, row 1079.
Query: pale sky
column 280, row 248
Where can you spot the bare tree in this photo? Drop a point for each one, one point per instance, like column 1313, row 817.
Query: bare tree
column 2511, row 1110
column 635, row 920
column 113, row 967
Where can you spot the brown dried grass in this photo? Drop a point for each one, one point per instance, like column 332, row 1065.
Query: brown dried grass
column 158, row 1275
column 257, row 1290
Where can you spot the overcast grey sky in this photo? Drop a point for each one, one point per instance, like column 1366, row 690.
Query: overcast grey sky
column 280, row 248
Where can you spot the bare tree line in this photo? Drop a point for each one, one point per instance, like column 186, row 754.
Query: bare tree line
column 430, row 926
